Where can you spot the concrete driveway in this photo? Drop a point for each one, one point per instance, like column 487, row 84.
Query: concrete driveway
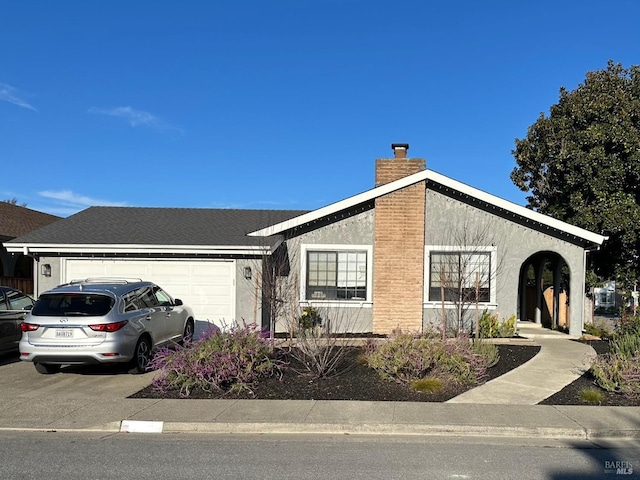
column 20, row 381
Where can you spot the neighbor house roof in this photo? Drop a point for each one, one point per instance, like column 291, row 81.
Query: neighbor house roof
column 159, row 230
column 442, row 181
column 16, row 220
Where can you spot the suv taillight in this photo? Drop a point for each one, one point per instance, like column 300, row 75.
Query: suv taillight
column 108, row 327
column 29, row 327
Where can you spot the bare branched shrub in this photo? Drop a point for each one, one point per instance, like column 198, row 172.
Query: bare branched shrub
column 323, row 339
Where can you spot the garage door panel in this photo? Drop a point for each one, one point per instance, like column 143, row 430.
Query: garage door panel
column 207, row 287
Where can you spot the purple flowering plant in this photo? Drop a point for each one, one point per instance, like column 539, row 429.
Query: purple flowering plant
column 219, row 361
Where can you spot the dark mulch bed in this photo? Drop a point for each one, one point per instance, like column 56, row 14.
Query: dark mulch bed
column 570, row 395
column 358, row 383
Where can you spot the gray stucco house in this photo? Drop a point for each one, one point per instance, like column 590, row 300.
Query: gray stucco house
column 416, row 248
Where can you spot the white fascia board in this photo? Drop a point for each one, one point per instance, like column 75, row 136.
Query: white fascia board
column 516, row 209
column 341, row 205
column 430, row 176
column 41, row 248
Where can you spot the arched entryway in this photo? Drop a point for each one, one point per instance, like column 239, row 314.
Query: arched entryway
column 544, row 290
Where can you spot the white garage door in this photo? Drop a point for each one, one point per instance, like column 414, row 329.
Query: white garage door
column 206, row 286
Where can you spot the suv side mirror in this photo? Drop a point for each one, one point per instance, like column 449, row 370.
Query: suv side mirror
column 178, row 302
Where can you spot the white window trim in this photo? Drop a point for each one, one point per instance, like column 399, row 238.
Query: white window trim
column 493, row 250
column 305, row 247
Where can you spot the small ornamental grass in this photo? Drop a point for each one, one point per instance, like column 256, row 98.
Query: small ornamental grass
column 428, row 384
column 592, row 395
column 406, row 358
column 229, row 361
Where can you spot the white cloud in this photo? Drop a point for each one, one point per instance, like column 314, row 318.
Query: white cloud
column 134, row 117
column 9, row 94
column 73, row 200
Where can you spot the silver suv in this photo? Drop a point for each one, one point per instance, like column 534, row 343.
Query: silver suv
column 102, row 320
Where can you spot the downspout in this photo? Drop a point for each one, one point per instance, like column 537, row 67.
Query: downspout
column 36, row 277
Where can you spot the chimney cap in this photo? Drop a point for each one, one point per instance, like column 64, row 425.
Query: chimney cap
column 400, row 149
column 400, row 145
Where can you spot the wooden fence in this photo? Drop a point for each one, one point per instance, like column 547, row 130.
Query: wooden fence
column 23, row 284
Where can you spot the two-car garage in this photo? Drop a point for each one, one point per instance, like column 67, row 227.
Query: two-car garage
column 207, row 286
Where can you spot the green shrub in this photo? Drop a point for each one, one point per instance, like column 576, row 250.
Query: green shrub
column 598, row 329
column 626, row 345
column 615, row 373
column 309, row 318
column 492, row 327
column 427, row 385
column 487, row 350
column 592, row 395
column 629, row 324
column 405, row 358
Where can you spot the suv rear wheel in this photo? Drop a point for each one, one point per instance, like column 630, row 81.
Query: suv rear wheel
column 141, row 356
column 46, row 368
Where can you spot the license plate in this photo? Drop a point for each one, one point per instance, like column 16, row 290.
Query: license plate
column 64, row 333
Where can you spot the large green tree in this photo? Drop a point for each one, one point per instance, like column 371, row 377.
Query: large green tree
column 581, row 164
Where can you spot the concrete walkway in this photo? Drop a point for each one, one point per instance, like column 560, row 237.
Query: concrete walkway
column 559, row 362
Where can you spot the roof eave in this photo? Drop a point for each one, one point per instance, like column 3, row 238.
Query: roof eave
column 41, row 249
column 431, row 176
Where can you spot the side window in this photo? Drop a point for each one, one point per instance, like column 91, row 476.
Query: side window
column 163, row 298
column 146, row 297
column 130, row 302
column 3, row 304
column 18, row 301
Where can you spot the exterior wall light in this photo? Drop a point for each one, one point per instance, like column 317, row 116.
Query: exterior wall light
column 247, row 273
column 45, row 269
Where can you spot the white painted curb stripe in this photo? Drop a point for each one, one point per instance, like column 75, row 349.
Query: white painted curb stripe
column 139, row 426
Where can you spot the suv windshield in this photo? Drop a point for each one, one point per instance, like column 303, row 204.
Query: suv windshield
column 72, row 305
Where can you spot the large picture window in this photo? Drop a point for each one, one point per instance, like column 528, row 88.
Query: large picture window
column 460, row 276
column 336, row 274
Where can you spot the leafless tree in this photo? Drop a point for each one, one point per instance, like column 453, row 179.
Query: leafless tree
column 321, row 346
column 463, row 276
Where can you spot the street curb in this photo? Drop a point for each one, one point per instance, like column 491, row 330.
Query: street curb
column 458, row 431
column 374, row 429
column 391, row 429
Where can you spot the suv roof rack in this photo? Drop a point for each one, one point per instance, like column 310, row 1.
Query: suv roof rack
column 119, row 280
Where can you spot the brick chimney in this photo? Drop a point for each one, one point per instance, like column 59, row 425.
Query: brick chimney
column 398, row 251
column 390, row 169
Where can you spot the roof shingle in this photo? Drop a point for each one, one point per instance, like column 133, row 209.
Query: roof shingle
column 159, row 226
column 16, row 220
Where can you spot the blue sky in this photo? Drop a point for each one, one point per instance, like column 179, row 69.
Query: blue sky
column 280, row 104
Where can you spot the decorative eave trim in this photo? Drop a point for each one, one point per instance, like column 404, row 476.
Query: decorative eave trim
column 431, row 176
column 516, row 209
column 339, row 206
column 42, row 248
